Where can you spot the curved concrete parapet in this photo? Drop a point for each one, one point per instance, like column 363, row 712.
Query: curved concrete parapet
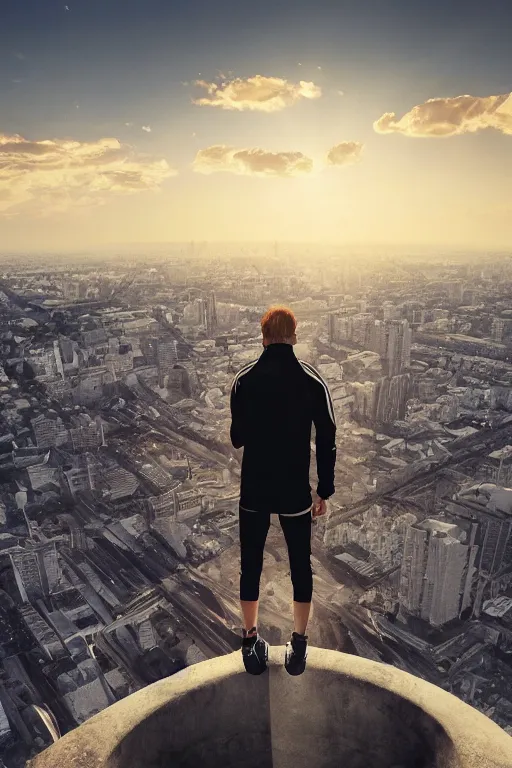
column 343, row 711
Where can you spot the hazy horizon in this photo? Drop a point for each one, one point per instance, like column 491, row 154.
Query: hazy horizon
column 195, row 249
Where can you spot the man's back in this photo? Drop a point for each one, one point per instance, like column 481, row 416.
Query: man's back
column 274, row 402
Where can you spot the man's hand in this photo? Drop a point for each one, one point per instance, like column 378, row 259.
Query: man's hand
column 319, row 506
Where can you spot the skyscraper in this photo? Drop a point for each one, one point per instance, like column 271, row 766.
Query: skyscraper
column 497, row 329
column 489, row 507
column 398, row 346
column 331, row 327
column 37, row 571
column 167, row 357
column 391, row 339
column 211, row 314
column 391, row 395
column 437, row 570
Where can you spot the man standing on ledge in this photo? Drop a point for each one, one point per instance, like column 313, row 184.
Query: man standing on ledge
column 274, row 402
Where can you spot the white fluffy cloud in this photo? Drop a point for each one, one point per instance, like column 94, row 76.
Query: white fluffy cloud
column 251, row 162
column 56, row 174
column 258, row 93
column 345, row 153
column 451, row 116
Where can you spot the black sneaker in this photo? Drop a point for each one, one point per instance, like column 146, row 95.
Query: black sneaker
column 296, row 654
column 254, row 652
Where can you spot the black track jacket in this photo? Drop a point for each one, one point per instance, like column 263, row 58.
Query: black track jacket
column 274, row 402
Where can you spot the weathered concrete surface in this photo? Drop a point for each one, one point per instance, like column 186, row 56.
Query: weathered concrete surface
column 343, row 711
column 351, row 712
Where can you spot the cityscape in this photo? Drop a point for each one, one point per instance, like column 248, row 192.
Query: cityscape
column 119, row 557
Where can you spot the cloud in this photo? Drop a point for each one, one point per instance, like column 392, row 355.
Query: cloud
column 146, row 128
column 251, row 162
column 258, row 93
column 345, row 153
column 56, row 174
column 451, row 117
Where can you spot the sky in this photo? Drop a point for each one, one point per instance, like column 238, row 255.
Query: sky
column 334, row 121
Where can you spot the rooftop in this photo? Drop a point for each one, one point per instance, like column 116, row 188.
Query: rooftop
column 344, row 710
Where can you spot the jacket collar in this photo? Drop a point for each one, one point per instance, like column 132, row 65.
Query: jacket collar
column 279, row 350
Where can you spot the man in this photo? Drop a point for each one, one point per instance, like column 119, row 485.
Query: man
column 274, row 402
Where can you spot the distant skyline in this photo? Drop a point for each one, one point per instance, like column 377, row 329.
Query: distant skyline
column 337, row 122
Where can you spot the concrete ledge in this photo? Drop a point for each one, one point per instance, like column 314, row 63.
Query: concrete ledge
column 343, row 711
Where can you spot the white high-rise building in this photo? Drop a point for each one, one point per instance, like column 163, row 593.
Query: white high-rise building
column 437, row 569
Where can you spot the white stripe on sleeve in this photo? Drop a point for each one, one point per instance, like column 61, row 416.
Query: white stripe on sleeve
column 307, row 368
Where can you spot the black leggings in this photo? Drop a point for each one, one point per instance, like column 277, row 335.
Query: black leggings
column 254, row 527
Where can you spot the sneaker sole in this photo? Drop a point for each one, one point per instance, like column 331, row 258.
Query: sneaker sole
column 253, row 670
column 298, row 670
